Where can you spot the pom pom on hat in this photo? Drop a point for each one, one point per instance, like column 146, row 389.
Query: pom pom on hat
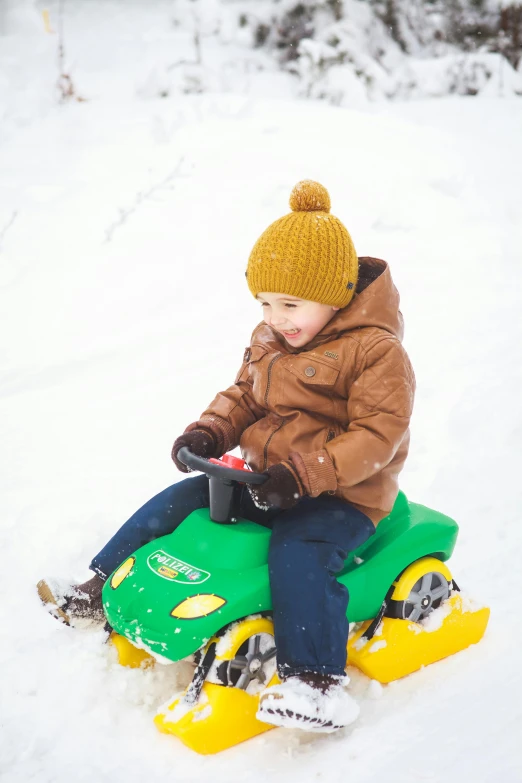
column 309, row 196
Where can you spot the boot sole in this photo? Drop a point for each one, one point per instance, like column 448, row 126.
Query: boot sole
column 49, row 601
column 289, row 720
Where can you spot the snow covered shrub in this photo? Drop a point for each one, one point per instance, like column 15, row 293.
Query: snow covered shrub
column 510, row 34
column 412, row 24
column 295, row 25
column 340, row 51
column 409, row 49
column 281, row 26
column 350, row 60
column 436, row 27
column 462, row 74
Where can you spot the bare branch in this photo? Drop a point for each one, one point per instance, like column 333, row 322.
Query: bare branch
column 140, row 198
column 64, row 82
column 7, row 226
column 196, row 38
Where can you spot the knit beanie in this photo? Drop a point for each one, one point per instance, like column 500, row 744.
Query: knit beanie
column 307, row 253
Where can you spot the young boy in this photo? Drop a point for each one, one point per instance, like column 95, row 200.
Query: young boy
column 321, row 404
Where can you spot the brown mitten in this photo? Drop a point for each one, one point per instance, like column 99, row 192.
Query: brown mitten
column 283, row 488
column 200, row 442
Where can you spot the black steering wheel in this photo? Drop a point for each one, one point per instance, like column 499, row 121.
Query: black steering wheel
column 222, row 483
column 219, row 471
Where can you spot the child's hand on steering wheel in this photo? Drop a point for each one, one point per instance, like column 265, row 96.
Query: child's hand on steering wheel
column 283, row 488
column 200, row 442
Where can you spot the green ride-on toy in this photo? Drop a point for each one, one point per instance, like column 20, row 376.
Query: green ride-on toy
column 204, row 591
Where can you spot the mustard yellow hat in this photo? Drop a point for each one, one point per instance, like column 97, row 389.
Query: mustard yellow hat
column 307, row 253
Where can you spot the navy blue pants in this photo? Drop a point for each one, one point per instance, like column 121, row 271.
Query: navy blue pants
column 308, row 547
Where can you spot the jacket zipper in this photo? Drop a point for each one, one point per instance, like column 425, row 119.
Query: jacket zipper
column 265, row 451
column 269, row 376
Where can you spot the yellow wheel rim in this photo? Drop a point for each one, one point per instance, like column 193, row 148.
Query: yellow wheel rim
column 239, row 634
column 422, row 587
column 245, row 656
column 409, row 578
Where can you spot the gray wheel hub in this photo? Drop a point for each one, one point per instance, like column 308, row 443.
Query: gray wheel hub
column 426, row 595
column 255, row 661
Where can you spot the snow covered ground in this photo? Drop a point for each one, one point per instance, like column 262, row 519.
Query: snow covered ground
column 125, row 227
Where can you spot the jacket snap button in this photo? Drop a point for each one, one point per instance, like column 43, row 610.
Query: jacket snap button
column 310, row 372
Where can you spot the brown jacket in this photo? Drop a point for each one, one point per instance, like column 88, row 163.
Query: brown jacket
column 339, row 408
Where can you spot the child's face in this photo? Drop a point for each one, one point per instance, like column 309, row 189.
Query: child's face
column 286, row 314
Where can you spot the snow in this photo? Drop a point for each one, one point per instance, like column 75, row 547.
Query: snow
column 175, row 712
column 125, row 226
column 435, row 619
column 206, row 712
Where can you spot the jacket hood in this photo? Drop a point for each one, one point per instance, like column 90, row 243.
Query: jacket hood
column 375, row 304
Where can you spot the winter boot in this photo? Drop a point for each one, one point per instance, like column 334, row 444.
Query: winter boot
column 309, row 701
column 71, row 602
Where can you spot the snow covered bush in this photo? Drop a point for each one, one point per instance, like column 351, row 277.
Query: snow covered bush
column 345, row 52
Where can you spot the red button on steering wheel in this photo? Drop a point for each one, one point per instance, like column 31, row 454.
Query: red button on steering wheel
column 230, row 461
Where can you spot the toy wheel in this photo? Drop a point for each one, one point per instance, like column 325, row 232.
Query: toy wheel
column 248, row 661
column 420, row 589
column 426, row 594
column 253, row 662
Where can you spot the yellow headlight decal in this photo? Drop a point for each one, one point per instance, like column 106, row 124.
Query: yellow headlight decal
column 122, row 572
column 197, row 606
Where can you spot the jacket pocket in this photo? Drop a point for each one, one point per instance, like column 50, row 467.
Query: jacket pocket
column 312, row 371
column 309, row 385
